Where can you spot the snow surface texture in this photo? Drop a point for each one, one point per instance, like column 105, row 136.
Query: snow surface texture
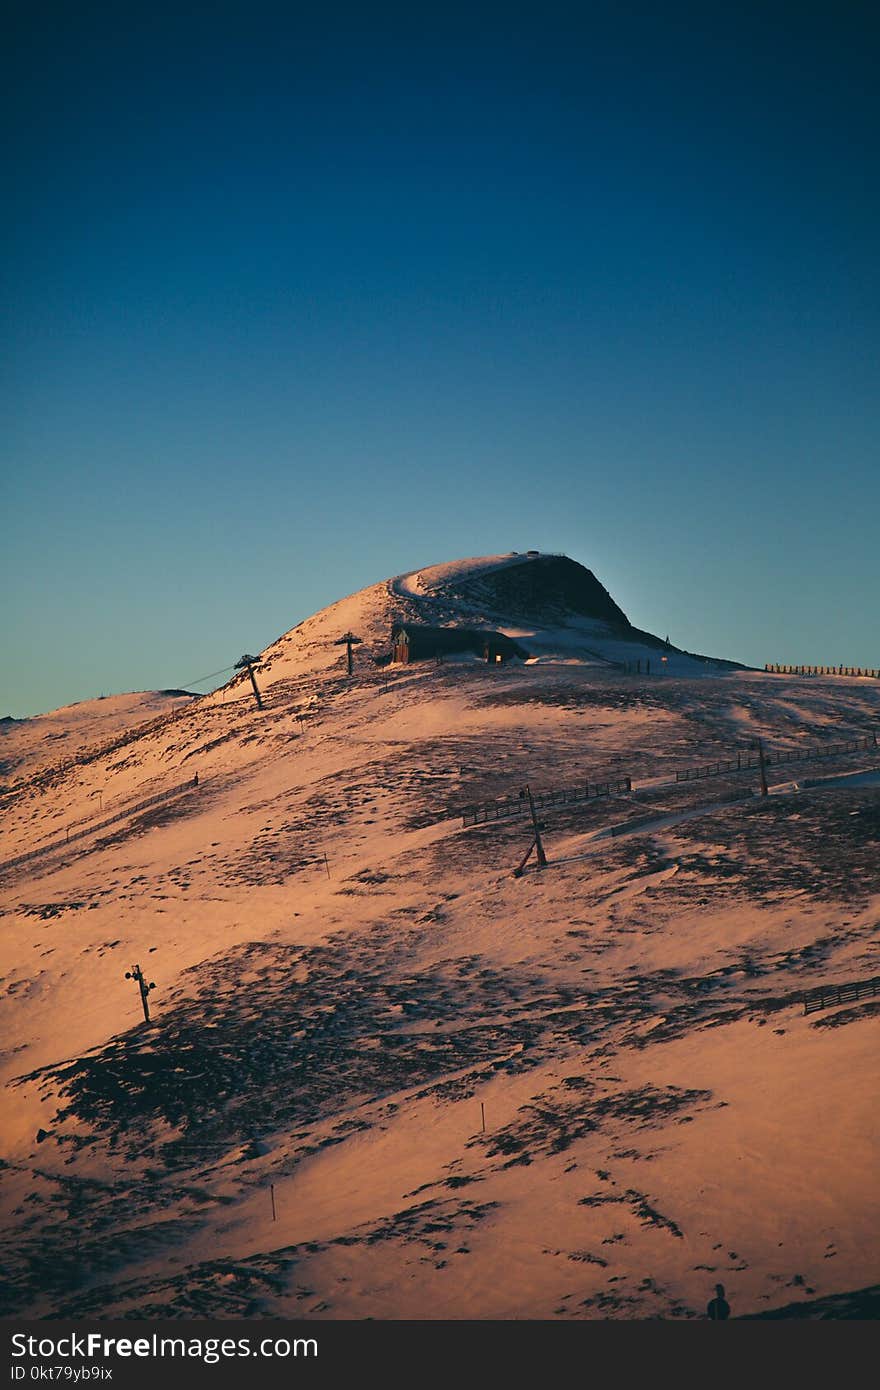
column 349, row 984
column 29, row 745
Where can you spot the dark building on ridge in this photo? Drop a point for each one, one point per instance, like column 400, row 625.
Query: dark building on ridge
column 413, row 642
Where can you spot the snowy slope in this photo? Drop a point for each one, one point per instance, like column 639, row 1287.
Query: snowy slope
column 437, row 578
column 346, row 975
column 28, row 746
column 554, row 607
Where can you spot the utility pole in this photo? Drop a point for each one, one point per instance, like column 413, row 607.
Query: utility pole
column 247, row 663
column 138, row 975
column 348, row 639
column 537, row 843
column 542, row 858
column 763, row 766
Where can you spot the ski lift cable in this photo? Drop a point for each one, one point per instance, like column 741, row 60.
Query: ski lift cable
column 200, row 680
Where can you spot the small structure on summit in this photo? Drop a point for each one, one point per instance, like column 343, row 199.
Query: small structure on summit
column 414, row 642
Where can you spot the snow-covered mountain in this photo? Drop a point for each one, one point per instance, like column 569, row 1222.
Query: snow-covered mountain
column 589, row 1091
column 30, row 746
column 553, row 606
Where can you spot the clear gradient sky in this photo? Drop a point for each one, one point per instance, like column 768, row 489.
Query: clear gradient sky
column 301, row 296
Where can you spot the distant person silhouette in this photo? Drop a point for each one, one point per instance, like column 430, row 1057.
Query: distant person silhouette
column 719, row 1308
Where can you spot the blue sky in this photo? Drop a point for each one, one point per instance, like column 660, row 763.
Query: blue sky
column 301, row 297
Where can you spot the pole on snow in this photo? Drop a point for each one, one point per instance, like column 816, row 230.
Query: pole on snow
column 247, row 663
column 138, row 975
column 537, row 843
column 762, row 763
column 348, row 639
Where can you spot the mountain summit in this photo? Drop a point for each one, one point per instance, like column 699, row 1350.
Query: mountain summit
column 554, row 608
column 531, row 585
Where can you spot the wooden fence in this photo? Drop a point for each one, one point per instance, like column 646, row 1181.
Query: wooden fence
column 101, row 825
column 829, row 995
column 519, row 806
column 626, row 827
column 742, row 761
column 824, row 670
